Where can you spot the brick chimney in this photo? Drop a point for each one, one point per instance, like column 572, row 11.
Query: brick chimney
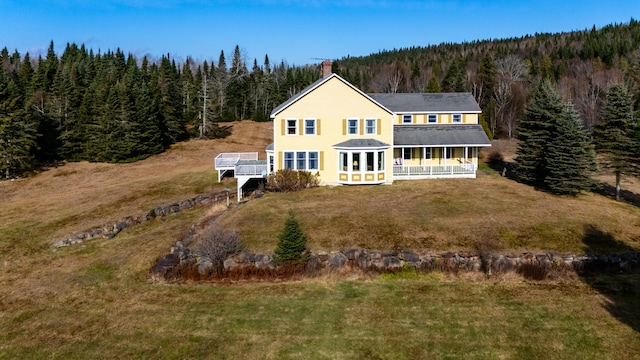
column 326, row 68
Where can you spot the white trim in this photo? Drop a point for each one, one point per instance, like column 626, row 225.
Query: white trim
column 324, row 80
column 357, row 120
column 441, row 145
column 439, row 112
column 362, row 165
column 315, row 126
column 375, row 126
column 296, row 159
column 286, row 127
column 424, row 153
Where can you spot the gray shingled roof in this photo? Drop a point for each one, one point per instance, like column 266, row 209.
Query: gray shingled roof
column 361, row 143
column 439, row 135
column 270, row 147
column 431, row 102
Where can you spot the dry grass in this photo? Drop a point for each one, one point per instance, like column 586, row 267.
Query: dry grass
column 442, row 215
column 93, row 300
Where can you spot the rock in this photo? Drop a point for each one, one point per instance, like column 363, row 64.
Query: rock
column 337, row 261
column 264, row 262
column 230, row 264
column 247, row 257
column 165, row 264
column 353, row 254
column 322, row 255
column 392, row 263
column 409, row 256
column 363, row 262
column 204, row 266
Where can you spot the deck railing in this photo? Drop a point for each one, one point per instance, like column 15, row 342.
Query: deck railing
column 252, row 170
column 433, row 170
column 229, row 160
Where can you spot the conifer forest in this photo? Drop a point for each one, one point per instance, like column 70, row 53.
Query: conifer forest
column 89, row 105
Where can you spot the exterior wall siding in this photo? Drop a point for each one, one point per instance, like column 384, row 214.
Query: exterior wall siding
column 442, row 118
column 331, row 104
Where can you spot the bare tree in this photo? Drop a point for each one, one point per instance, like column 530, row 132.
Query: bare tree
column 510, row 70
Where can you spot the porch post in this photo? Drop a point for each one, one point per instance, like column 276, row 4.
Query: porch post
column 444, row 155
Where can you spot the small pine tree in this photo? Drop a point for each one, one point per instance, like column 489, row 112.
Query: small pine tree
column 292, row 242
column 614, row 136
column 432, row 86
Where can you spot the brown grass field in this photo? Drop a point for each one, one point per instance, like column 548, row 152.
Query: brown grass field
column 93, row 300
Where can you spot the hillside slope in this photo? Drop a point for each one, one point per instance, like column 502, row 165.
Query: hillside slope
column 75, row 196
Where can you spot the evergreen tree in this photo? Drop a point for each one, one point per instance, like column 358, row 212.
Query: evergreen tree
column 615, row 136
column 535, row 132
column 17, row 133
column 553, row 152
column 292, row 242
column 570, row 158
column 432, row 86
column 238, row 89
column 454, row 78
column 487, row 76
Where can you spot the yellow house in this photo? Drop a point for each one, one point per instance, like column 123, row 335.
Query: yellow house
column 350, row 137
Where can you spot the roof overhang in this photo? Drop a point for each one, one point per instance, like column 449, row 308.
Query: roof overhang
column 361, row 144
column 440, row 135
column 292, row 100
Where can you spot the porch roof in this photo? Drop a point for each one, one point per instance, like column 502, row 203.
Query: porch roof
column 440, row 135
column 362, row 143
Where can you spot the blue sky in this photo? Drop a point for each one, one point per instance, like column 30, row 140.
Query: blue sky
column 295, row 31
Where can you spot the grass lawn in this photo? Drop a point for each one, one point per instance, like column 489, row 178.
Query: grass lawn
column 93, row 300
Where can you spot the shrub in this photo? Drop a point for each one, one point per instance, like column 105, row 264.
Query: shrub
column 286, row 180
column 292, row 243
column 216, row 244
column 495, row 160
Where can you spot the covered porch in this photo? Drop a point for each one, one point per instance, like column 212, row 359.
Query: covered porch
column 437, row 151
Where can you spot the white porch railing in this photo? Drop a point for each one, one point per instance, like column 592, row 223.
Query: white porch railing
column 400, row 171
column 252, row 170
column 228, row 161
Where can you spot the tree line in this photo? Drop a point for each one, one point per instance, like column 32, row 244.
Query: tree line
column 116, row 108
column 112, row 107
column 504, row 74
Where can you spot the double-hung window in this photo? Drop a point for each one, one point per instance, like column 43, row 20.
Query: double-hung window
column 313, row 160
column 457, row 118
column 370, row 128
column 288, row 160
column 309, row 126
column 407, row 119
column 352, row 126
column 432, row 118
column 292, row 126
column 447, row 153
column 301, row 160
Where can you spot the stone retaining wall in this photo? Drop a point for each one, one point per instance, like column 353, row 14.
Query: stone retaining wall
column 111, row 229
column 537, row 266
